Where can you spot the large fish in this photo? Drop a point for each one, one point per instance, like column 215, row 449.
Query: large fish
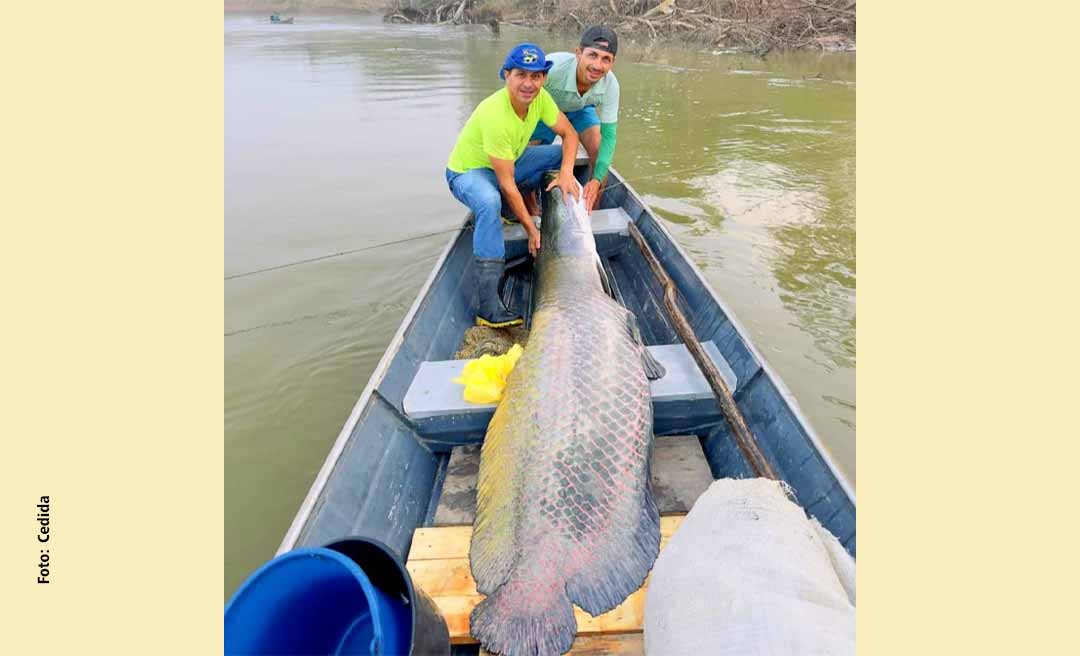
column 565, row 514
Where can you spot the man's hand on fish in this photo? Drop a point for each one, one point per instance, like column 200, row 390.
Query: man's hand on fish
column 592, row 193
column 566, row 180
column 567, row 183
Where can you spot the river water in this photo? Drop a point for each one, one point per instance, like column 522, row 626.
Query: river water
column 337, row 131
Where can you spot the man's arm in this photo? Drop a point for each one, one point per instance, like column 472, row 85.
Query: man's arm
column 504, row 173
column 603, row 162
column 607, row 150
column 608, row 113
column 566, row 180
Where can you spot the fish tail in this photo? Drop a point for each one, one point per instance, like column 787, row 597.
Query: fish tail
column 523, row 619
column 614, row 574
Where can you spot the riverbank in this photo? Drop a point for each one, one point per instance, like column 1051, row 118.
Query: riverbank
column 752, row 26
column 755, row 26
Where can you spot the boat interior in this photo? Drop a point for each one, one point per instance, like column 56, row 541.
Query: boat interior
column 386, row 474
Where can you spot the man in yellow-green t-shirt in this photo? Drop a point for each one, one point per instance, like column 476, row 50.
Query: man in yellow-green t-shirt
column 492, row 163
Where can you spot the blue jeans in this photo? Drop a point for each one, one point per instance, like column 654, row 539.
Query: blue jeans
column 478, row 189
column 582, row 120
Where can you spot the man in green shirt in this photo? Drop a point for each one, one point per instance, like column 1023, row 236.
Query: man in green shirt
column 492, row 163
column 585, row 89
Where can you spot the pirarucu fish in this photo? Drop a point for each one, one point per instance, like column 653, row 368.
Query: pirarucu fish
column 565, row 514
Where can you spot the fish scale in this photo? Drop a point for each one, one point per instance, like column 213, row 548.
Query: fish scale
column 564, row 510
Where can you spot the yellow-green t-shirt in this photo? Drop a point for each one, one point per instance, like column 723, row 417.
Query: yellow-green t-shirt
column 494, row 130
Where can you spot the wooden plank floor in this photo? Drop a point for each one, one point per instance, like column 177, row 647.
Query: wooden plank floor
column 439, row 563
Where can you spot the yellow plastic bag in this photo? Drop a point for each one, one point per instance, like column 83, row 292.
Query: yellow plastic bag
column 485, row 377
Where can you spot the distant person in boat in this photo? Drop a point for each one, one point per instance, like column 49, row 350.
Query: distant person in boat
column 492, row 164
column 585, row 89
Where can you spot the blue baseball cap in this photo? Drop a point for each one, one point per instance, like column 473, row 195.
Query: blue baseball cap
column 526, row 56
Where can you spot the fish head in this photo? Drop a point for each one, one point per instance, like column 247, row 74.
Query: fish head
column 566, row 230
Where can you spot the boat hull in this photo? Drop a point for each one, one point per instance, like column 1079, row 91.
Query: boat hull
column 383, row 476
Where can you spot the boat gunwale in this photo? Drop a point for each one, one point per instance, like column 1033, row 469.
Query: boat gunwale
column 766, row 368
column 317, row 486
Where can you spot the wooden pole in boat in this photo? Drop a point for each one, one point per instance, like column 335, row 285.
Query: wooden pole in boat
column 739, row 430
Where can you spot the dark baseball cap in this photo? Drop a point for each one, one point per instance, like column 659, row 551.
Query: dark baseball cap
column 601, row 38
column 526, row 56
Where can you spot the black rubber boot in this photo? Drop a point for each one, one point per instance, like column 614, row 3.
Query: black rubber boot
column 490, row 310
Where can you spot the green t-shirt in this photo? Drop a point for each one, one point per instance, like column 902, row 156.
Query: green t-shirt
column 494, row 130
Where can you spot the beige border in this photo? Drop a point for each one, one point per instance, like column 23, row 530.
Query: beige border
column 112, row 360
column 111, row 271
column 967, row 245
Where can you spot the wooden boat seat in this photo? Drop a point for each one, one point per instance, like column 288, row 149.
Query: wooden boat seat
column 439, row 563
column 604, row 222
column 434, row 394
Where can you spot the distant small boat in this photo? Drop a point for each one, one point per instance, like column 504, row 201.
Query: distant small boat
column 274, row 18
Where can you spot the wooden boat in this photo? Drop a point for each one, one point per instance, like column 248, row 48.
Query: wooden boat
column 274, row 18
column 385, row 474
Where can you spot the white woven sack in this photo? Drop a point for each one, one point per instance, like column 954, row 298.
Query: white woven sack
column 748, row 573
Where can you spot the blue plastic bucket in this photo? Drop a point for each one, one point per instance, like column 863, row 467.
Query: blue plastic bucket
column 427, row 632
column 316, row 601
